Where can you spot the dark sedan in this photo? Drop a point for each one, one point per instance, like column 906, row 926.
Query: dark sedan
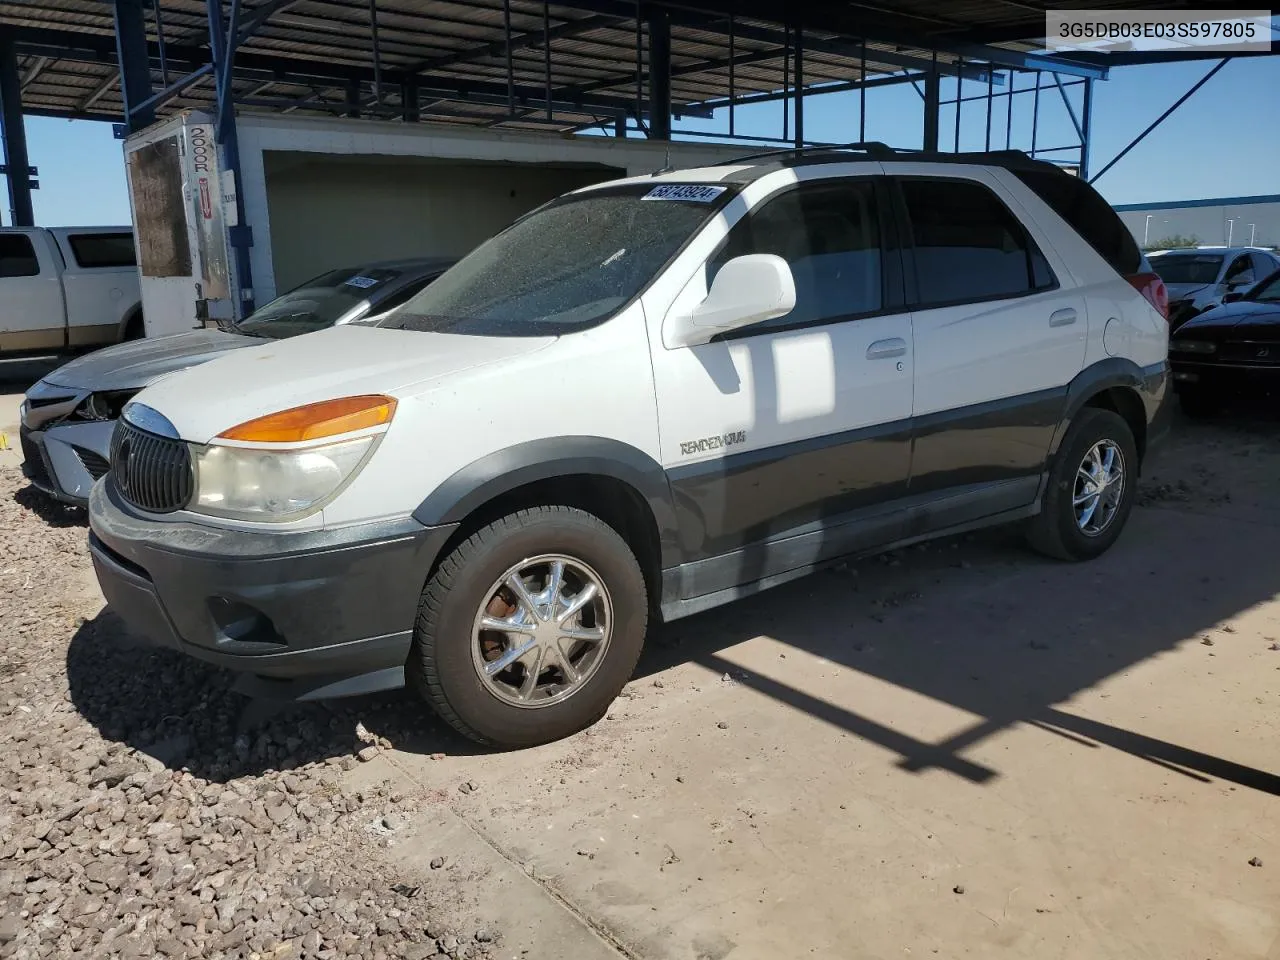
column 1231, row 350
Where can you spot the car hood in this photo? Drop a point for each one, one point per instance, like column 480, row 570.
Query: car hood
column 132, row 365
column 345, row 361
column 1251, row 315
column 1181, row 291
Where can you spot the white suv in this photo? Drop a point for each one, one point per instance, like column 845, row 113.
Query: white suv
column 644, row 399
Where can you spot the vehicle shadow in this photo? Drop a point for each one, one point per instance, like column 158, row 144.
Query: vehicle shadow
column 185, row 714
column 1006, row 636
column 50, row 511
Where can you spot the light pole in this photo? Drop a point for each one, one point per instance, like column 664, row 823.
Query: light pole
column 1231, row 224
column 1146, row 230
column 1253, row 233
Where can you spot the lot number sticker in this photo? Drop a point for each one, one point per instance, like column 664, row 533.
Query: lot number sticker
column 689, row 192
column 364, row 283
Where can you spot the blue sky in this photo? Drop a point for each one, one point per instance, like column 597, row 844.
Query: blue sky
column 1224, row 141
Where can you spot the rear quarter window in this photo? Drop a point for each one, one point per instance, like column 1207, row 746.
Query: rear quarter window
column 1084, row 210
column 102, row 250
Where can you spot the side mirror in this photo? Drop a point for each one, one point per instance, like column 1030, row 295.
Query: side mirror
column 1233, row 296
column 746, row 290
column 1241, row 280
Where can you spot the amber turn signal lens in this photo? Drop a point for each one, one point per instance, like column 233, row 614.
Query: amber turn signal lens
column 329, row 418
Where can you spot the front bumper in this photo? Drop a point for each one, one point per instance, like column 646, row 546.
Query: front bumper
column 301, row 615
column 62, row 455
column 1235, row 378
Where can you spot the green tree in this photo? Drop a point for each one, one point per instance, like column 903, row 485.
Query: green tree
column 1173, row 242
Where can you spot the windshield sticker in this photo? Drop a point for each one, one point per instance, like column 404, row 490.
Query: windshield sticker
column 689, row 192
column 364, row 283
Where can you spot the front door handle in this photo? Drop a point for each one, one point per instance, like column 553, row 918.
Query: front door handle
column 887, row 349
column 1062, row 318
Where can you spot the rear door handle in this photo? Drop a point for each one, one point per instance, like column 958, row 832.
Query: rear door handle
column 887, row 349
column 1062, row 318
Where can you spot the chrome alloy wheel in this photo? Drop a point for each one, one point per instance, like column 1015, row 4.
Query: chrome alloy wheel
column 1099, row 488
column 542, row 631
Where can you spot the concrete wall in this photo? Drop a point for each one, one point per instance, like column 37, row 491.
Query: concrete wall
column 331, row 211
column 1208, row 223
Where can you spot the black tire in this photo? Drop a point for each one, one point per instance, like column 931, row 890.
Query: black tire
column 441, row 667
column 134, row 329
column 1198, row 404
column 1054, row 531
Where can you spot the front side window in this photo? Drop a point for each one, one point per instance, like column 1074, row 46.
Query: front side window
column 829, row 234
column 968, row 245
column 1263, row 266
column 1196, row 268
column 317, row 304
column 1268, row 292
column 566, row 267
column 1240, row 268
column 17, row 256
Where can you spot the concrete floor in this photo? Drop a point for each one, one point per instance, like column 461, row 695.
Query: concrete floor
column 965, row 751
column 960, row 751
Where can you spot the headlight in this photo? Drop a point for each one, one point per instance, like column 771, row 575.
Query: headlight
column 256, row 484
column 1192, row 346
column 256, row 476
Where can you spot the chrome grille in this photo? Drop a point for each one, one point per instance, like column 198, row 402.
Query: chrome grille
column 1262, row 353
column 151, row 472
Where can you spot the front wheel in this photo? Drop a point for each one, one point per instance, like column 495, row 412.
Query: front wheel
column 530, row 627
column 1091, row 489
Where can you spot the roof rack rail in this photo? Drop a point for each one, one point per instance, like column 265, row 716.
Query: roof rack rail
column 870, row 147
column 875, row 150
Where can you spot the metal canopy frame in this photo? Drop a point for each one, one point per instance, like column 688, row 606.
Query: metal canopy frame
column 627, row 67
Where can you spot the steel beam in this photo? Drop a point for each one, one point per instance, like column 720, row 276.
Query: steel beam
column 660, row 75
column 134, row 62
column 34, row 71
column 98, row 92
column 518, row 42
column 260, row 15
column 1160, row 119
column 223, row 39
column 799, row 84
column 932, row 109
column 16, row 160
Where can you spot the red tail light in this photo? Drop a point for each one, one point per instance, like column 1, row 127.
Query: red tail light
column 1152, row 287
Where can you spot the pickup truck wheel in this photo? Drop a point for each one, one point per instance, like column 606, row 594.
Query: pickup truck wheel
column 529, row 628
column 134, row 329
column 1091, row 489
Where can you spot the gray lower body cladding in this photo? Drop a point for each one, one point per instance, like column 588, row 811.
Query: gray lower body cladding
column 324, row 613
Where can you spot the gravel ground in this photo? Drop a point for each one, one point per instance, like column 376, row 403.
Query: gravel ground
column 141, row 816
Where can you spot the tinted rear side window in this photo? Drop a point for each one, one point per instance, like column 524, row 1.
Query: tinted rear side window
column 17, row 256
column 968, row 245
column 1088, row 214
column 103, row 250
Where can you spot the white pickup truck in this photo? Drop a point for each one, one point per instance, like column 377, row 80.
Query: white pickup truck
column 67, row 288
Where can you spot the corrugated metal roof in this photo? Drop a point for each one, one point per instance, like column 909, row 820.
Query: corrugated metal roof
column 297, row 59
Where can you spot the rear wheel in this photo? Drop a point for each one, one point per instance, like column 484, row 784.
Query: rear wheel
column 529, row 628
column 1199, row 403
column 1091, row 489
column 134, row 329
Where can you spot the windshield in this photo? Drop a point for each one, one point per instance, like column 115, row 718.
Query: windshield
column 317, row 304
column 1187, row 267
column 568, row 265
column 1269, row 290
